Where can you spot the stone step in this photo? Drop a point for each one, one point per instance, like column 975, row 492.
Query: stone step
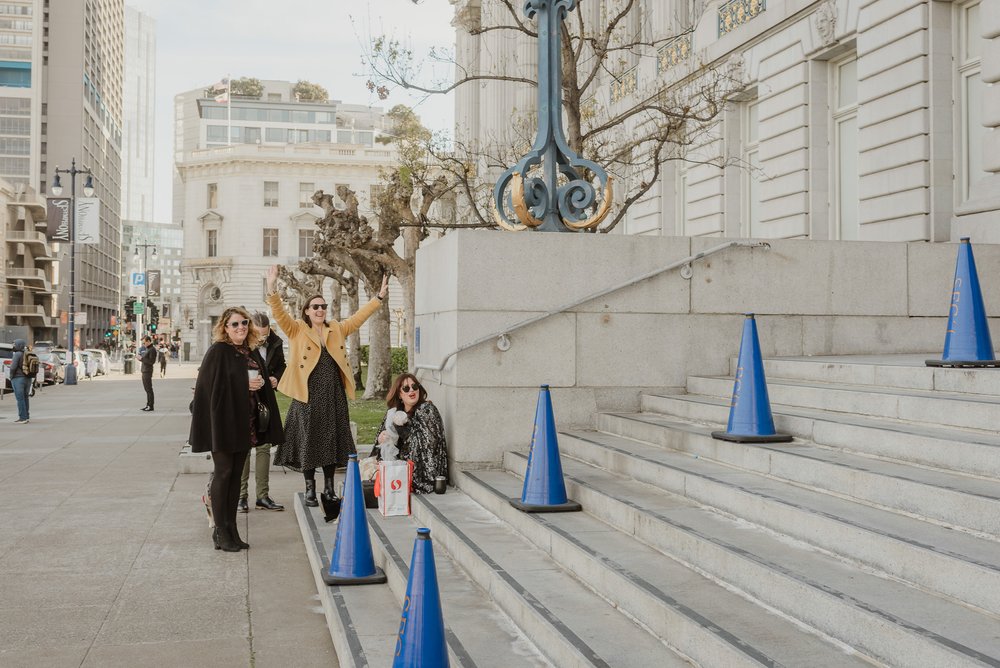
column 476, row 627
column 953, row 563
column 887, row 621
column 364, row 619
column 950, row 498
column 566, row 620
column 949, row 448
column 702, row 619
column 939, row 408
column 899, row 371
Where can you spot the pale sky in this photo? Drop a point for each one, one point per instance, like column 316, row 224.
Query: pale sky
column 198, row 42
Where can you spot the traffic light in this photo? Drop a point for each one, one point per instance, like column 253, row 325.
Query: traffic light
column 129, row 315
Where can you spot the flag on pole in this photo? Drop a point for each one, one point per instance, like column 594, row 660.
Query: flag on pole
column 222, row 98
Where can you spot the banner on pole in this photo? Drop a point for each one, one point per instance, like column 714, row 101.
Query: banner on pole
column 153, row 282
column 88, row 220
column 57, row 215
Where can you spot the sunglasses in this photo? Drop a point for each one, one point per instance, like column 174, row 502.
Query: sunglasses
column 409, row 388
column 238, row 323
column 318, row 307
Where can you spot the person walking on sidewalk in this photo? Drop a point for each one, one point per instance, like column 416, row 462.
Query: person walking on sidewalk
column 161, row 357
column 319, row 380
column 274, row 366
column 20, row 381
column 147, row 357
column 227, row 419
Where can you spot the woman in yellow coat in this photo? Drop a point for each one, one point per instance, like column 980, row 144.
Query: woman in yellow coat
column 319, row 380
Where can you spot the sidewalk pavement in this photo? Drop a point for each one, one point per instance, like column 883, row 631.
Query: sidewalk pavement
column 105, row 551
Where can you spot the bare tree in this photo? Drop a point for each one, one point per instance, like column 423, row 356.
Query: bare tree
column 633, row 136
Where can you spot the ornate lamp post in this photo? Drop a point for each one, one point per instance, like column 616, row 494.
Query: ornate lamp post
column 88, row 191
column 563, row 197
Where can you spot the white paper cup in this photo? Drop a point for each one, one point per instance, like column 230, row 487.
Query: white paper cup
column 253, row 373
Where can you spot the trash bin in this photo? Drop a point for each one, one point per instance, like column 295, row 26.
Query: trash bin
column 129, row 363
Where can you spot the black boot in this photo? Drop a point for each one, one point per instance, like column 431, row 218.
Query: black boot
column 311, row 494
column 235, row 534
column 226, row 542
column 331, row 504
column 215, row 538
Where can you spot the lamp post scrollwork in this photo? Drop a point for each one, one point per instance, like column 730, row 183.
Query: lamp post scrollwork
column 551, row 188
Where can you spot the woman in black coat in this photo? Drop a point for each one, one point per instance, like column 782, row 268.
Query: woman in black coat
column 226, row 418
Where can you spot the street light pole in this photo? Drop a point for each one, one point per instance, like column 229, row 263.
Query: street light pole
column 88, row 190
column 145, row 282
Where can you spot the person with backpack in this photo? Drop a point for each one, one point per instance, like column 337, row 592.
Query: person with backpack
column 21, row 375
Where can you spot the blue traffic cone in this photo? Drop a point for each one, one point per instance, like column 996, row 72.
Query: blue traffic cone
column 967, row 342
column 750, row 419
column 421, row 640
column 352, row 562
column 544, row 490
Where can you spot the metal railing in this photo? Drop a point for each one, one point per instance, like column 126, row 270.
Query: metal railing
column 503, row 343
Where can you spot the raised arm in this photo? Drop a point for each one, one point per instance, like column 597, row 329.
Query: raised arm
column 285, row 321
column 353, row 324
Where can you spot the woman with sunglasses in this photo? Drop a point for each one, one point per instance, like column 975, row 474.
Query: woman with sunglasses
column 319, row 380
column 225, row 416
column 421, row 438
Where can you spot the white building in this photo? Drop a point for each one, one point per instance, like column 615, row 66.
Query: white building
column 871, row 120
column 139, row 102
column 247, row 205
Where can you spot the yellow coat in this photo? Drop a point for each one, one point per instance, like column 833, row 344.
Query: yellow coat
column 304, row 347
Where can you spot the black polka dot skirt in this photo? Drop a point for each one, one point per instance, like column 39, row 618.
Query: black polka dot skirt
column 318, row 433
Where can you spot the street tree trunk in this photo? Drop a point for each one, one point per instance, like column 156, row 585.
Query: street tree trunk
column 379, row 355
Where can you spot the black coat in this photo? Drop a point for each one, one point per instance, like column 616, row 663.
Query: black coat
column 274, row 355
column 220, row 413
column 148, row 359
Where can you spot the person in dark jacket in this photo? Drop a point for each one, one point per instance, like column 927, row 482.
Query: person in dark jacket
column 274, row 366
column 226, row 418
column 20, row 382
column 147, row 357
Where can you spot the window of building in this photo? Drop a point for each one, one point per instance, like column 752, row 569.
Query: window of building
column 970, row 99
column 215, row 133
column 270, row 242
column 306, row 239
column 751, row 169
column 212, row 243
column 845, row 147
column 276, row 134
column 306, row 191
column 213, row 196
column 271, row 193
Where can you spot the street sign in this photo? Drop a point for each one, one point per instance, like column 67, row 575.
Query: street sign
column 138, row 279
column 80, row 318
column 138, row 308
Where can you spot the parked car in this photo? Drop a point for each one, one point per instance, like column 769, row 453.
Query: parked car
column 41, row 347
column 78, row 361
column 102, row 359
column 53, row 368
column 6, row 353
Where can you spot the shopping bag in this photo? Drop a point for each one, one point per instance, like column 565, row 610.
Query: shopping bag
column 392, row 487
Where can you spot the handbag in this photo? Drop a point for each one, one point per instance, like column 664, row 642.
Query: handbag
column 263, row 416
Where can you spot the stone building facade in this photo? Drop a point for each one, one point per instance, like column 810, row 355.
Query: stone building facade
column 871, row 120
column 246, row 205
